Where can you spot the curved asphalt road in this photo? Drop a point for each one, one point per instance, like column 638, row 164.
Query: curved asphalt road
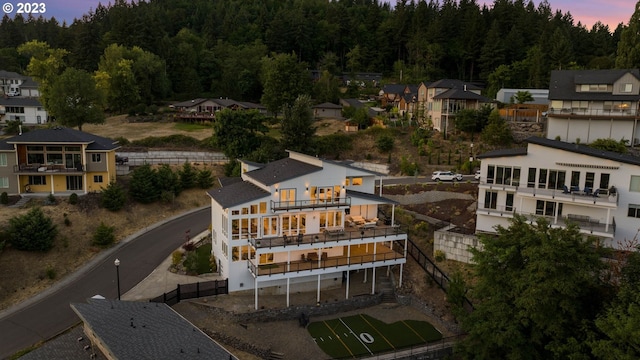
column 48, row 314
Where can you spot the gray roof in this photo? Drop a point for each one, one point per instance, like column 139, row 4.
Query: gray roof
column 461, row 94
column 190, row 103
column 64, row 136
column 562, row 85
column 236, row 193
column 282, row 170
column 327, row 105
column 368, row 196
column 452, row 84
column 503, row 153
column 139, row 330
column 20, row 101
column 394, row 88
column 4, row 74
column 353, row 102
column 565, row 146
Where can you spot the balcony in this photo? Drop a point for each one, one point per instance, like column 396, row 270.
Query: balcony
column 593, row 113
column 42, row 169
column 310, row 204
column 349, row 234
column 587, row 225
column 384, row 256
column 577, row 197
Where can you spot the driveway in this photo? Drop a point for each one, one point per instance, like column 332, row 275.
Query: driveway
column 48, row 314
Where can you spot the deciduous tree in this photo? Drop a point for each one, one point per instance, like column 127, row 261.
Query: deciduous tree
column 237, row 133
column 283, row 80
column 297, row 125
column 76, row 101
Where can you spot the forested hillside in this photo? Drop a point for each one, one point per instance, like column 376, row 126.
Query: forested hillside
column 215, row 47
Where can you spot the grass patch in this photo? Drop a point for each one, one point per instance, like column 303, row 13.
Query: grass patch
column 191, row 126
column 363, row 335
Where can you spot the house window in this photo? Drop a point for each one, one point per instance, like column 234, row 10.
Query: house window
column 542, row 179
column 604, row 181
column 634, row 211
column 504, row 175
column 634, row 185
column 3, row 159
column 626, row 88
column 225, row 249
column 74, row 182
column 266, row 258
column 4, row 182
column 589, row 181
column 97, row 178
column 96, row 158
column 509, row 204
column 556, row 179
column 548, row 208
column 288, row 196
column 579, row 105
column 575, row 179
column 270, row 226
column 490, row 200
column 37, row 180
column 531, row 179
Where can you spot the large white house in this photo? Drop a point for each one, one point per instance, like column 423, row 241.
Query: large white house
column 585, row 105
column 27, row 110
column 563, row 182
column 301, row 223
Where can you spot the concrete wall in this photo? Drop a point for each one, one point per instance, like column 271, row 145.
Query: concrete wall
column 455, row 245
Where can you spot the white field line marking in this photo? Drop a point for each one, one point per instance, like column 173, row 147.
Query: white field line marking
column 356, row 336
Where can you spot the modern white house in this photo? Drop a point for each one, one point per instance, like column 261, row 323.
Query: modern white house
column 563, row 182
column 28, row 110
column 540, row 96
column 301, row 223
column 585, row 105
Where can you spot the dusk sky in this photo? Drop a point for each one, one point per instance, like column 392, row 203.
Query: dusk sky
column 609, row 12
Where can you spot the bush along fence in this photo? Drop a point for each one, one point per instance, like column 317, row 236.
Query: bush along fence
column 434, row 272
column 193, row 291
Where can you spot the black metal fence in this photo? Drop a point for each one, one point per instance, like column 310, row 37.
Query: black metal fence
column 192, row 291
column 434, row 272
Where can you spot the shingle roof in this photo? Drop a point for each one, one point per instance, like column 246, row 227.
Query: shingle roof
column 20, row 101
column 503, row 153
column 461, row 94
column 237, row 193
column 562, row 85
column 393, row 88
column 452, row 84
column 281, row 170
column 64, row 135
column 327, row 105
column 139, row 330
column 190, row 103
column 565, row 146
column 353, row 102
column 368, row 196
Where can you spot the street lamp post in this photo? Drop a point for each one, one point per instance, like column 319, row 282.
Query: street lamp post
column 471, row 160
column 117, row 264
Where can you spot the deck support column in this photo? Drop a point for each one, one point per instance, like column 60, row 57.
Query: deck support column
column 318, row 296
column 255, row 292
column 373, row 280
column 347, row 291
column 365, row 276
column 288, row 279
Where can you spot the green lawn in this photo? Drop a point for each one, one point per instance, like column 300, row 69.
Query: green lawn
column 363, row 335
column 191, row 126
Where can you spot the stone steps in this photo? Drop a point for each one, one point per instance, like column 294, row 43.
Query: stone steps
column 22, row 202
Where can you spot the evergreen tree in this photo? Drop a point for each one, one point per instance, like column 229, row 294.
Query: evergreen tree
column 537, row 289
column 169, row 180
column 143, row 187
column 297, row 125
column 33, row 231
column 497, row 132
column 205, row 179
column 188, row 176
column 104, row 235
column 113, row 197
column 629, row 45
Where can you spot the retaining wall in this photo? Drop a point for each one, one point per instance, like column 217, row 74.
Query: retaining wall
column 454, row 245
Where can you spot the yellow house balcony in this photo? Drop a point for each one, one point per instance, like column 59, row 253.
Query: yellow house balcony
column 44, row 169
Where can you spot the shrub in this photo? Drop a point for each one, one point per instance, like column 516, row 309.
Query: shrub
column 439, row 255
column 73, row 199
column 104, row 235
column 51, row 200
column 113, row 197
column 67, row 221
column 4, row 198
column 51, row 272
column 176, row 257
column 122, row 140
column 384, row 143
column 33, row 231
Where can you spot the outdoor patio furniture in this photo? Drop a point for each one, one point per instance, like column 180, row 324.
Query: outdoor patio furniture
column 565, row 190
column 587, row 191
column 312, row 256
column 595, row 193
column 300, row 238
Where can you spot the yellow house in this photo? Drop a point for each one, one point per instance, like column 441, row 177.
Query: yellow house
column 56, row 160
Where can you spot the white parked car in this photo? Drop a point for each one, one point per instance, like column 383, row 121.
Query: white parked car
column 446, row 176
column 477, row 175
